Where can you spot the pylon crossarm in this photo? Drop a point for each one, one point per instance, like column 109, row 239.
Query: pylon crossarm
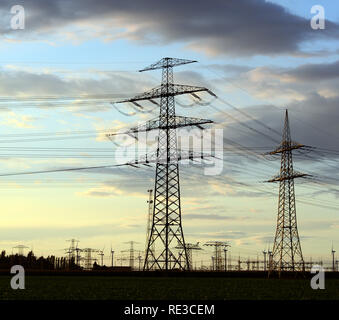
column 180, row 156
column 167, row 63
column 154, row 124
column 161, row 91
column 283, row 148
column 288, row 177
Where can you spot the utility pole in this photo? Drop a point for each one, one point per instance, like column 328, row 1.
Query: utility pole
column 264, row 252
column 166, row 219
column 78, row 257
column 333, row 260
column 139, row 259
column 270, row 260
column 225, row 252
column 112, row 255
column 287, row 254
column 149, row 225
column 101, row 254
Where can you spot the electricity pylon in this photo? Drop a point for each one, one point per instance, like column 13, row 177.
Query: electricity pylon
column 131, row 253
column 20, row 248
column 166, row 219
column 101, row 254
column 189, row 248
column 88, row 259
column 218, row 245
column 72, row 249
column 287, row 254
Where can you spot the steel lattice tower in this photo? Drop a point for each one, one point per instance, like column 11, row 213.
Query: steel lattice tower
column 287, row 254
column 218, row 245
column 166, row 219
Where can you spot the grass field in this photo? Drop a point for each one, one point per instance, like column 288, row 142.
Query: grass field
column 162, row 288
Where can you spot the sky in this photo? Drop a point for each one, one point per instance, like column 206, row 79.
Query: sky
column 60, row 74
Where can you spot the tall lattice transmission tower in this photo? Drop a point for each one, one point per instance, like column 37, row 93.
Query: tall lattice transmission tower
column 166, row 218
column 287, row 254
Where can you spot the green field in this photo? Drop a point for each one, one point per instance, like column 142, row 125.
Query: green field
column 160, row 288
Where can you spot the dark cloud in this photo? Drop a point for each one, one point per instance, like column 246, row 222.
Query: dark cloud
column 316, row 72
column 233, row 27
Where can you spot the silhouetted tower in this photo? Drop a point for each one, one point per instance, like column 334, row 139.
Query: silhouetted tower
column 225, row 252
column 264, row 252
column 72, row 250
column 131, row 253
column 166, row 218
column 101, row 254
column 287, row 254
column 77, row 254
column 20, row 248
column 112, row 256
column 189, row 248
column 88, row 259
column 149, row 224
column 333, row 259
column 270, row 260
column 218, row 245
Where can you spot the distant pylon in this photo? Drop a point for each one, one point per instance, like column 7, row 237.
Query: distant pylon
column 131, row 253
column 112, row 257
column 101, row 254
column 88, row 259
column 189, row 248
column 72, row 250
column 287, row 254
column 333, row 259
column 218, row 245
column 20, row 248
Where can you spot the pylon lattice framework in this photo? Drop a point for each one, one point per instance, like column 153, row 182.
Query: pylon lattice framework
column 218, row 245
column 166, row 224
column 287, row 254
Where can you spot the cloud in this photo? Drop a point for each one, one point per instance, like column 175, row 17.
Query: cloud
column 122, row 186
column 281, row 84
column 15, row 120
column 22, row 84
column 215, row 29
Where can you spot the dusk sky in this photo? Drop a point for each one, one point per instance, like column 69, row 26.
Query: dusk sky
column 59, row 75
